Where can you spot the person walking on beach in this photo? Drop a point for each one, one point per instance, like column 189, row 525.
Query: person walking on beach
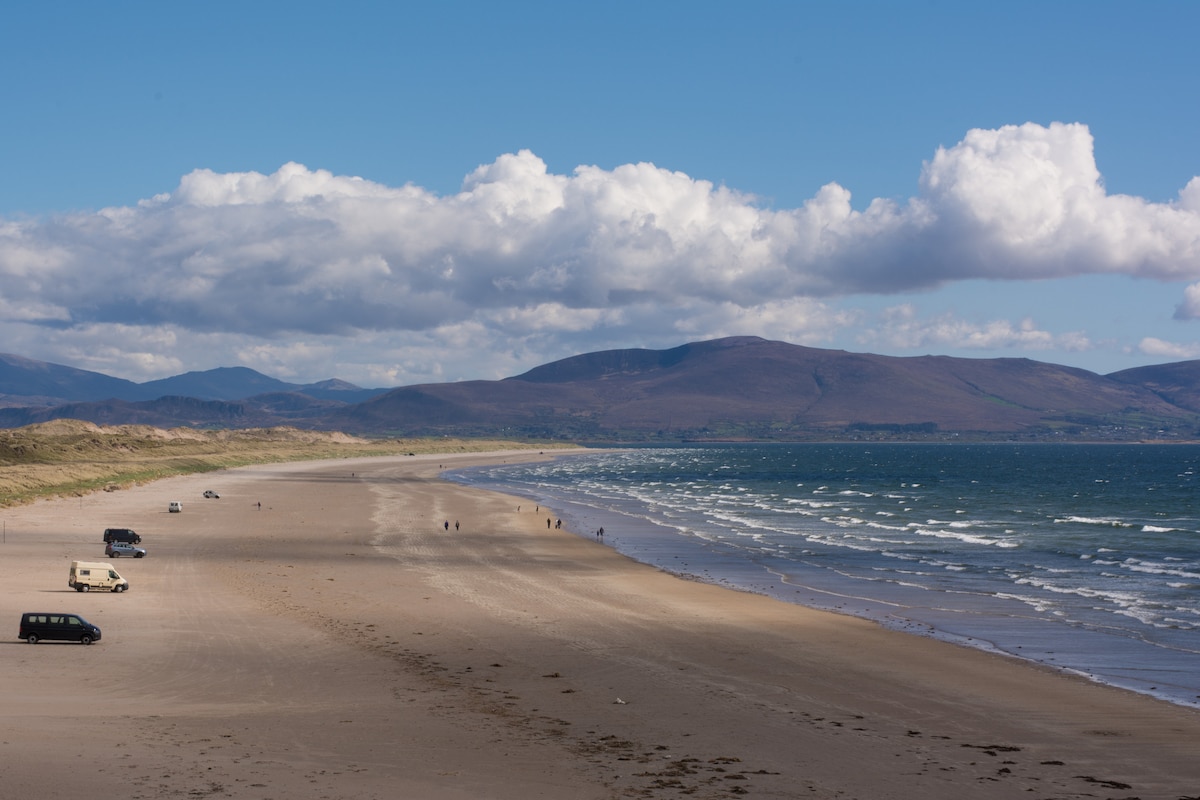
column 547, row 523
column 447, row 524
column 455, row 524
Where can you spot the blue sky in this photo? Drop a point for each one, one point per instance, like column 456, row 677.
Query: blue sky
column 398, row 193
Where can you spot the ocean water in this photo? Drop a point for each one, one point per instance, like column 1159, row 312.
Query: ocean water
column 1082, row 557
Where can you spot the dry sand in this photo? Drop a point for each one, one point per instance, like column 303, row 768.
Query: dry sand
column 340, row 643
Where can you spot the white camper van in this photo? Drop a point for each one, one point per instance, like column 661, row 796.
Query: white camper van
column 88, row 575
column 175, row 506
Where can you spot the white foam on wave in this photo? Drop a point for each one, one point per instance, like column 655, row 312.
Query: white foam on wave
column 848, row 544
column 804, row 501
column 1151, row 568
column 1105, row 521
column 964, row 537
column 1121, row 600
column 1039, row 604
column 1144, row 616
column 844, row 522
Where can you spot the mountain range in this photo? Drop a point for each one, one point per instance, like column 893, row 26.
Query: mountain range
column 722, row 389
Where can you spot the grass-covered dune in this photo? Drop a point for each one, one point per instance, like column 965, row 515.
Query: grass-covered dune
column 70, row 457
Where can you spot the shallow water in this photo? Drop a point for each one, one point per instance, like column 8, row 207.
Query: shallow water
column 1084, row 557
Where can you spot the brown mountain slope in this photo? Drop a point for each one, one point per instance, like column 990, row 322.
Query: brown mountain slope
column 746, row 386
column 1178, row 384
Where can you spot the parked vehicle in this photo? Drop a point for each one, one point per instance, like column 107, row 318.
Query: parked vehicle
column 210, row 494
column 88, row 575
column 118, row 549
column 121, row 535
column 175, row 506
column 36, row 626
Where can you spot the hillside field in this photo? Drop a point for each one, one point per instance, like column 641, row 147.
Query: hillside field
column 70, row 457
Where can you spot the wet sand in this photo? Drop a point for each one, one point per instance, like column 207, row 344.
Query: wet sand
column 340, row 642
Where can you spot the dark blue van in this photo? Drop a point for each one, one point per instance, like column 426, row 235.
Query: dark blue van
column 57, row 626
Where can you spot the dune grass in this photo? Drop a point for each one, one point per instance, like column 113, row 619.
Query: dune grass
column 72, row 458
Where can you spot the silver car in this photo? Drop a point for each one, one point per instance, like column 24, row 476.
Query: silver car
column 118, row 549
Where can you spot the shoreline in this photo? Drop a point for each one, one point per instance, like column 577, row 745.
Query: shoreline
column 343, row 641
column 998, row 625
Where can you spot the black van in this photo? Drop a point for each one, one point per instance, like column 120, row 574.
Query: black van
column 63, row 627
column 121, row 535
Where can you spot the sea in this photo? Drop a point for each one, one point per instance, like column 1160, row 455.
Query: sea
column 1081, row 557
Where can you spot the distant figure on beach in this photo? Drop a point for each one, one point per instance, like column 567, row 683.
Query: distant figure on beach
column 455, row 524
column 547, row 523
column 260, row 506
column 600, row 533
column 447, row 524
column 558, row 523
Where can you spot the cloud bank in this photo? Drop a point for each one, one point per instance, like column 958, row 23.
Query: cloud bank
column 521, row 252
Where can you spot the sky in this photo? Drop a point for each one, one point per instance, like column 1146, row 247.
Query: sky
column 398, row 193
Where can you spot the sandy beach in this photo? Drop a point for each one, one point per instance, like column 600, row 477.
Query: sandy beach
column 342, row 641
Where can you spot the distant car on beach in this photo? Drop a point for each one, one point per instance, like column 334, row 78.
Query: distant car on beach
column 121, row 535
column 118, row 549
column 175, row 507
column 36, row 627
column 87, row 575
column 212, row 495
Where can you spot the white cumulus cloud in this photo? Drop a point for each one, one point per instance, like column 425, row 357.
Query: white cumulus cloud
column 1189, row 308
column 901, row 327
column 638, row 252
column 1171, row 351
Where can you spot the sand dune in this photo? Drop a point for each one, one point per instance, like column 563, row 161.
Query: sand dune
column 340, row 642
